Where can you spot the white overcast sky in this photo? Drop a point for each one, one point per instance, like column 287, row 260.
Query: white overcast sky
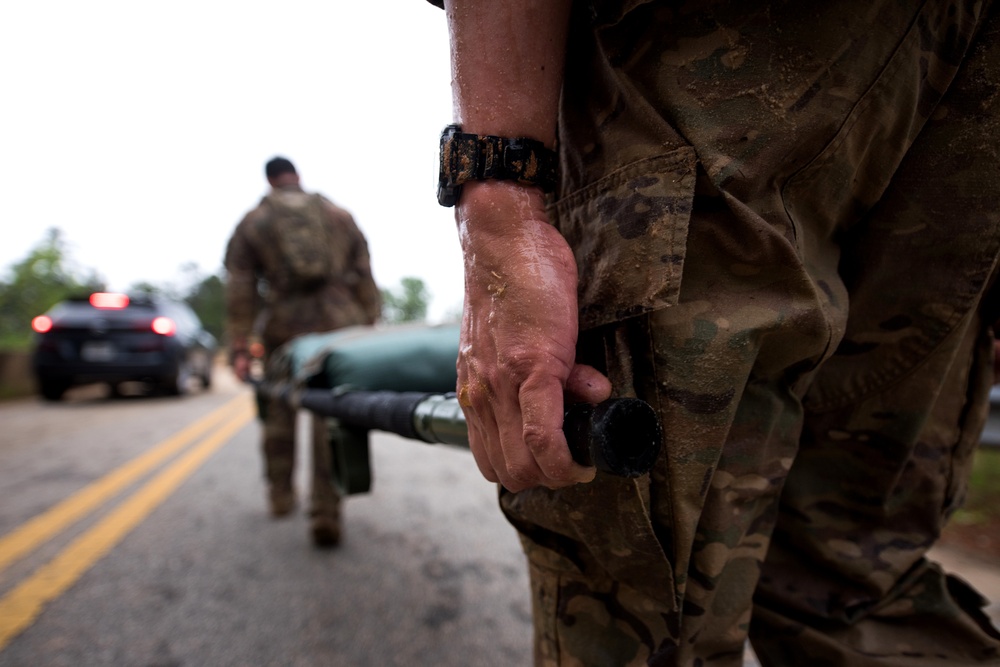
column 141, row 129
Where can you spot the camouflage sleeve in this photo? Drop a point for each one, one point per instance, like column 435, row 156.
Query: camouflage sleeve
column 242, row 266
column 365, row 289
column 358, row 270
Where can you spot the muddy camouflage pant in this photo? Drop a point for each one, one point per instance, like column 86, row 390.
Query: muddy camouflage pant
column 279, row 445
column 787, row 222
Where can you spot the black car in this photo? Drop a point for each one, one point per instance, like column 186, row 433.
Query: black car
column 115, row 338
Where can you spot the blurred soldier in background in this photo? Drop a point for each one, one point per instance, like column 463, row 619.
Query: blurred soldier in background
column 297, row 264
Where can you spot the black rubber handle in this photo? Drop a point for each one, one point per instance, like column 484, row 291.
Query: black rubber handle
column 621, row 436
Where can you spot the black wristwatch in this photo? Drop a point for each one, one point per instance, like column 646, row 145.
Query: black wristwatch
column 474, row 157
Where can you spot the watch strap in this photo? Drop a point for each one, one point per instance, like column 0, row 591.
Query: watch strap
column 473, row 157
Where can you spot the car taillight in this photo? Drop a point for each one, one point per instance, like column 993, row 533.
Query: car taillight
column 164, row 326
column 42, row 324
column 108, row 300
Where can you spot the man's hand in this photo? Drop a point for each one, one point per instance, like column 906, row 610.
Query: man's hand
column 518, row 343
column 240, row 360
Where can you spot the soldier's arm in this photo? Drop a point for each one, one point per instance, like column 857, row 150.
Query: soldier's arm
column 242, row 299
column 365, row 289
column 517, row 351
column 359, row 268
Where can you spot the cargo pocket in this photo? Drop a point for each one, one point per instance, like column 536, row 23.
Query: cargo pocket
column 581, row 621
column 628, row 232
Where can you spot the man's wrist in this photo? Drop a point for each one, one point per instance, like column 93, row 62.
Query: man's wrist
column 486, row 197
column 500, row 209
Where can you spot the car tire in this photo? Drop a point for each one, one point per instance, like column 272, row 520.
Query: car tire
column 179, row 383
column 206, row 378
column 52, row 390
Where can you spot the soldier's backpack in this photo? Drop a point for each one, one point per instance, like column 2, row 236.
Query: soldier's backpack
column 296, row 225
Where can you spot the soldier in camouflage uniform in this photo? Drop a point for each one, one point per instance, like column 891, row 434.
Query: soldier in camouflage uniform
column 779, row 224
column 314, row 262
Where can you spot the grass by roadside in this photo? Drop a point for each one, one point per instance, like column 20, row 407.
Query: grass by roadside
column 16, row 378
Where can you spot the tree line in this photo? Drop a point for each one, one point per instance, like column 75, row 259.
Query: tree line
column 48, row 275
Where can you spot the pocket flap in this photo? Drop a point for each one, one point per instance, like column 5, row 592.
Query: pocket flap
column 628, row 232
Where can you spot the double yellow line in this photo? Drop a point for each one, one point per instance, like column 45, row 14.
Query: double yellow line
column 20, row 607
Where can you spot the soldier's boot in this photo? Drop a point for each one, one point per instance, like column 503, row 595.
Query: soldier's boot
column 325, row 512
column 282, row 500
column 325, row 525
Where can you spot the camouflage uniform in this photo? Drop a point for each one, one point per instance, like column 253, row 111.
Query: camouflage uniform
column 348, row 297
column 786, row 218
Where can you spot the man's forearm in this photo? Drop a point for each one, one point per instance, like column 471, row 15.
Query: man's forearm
column 241, row 307
column 507, row 65
column 519, row 330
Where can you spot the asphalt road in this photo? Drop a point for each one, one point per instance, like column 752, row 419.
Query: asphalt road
column 134, row 532
column 108, row 557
